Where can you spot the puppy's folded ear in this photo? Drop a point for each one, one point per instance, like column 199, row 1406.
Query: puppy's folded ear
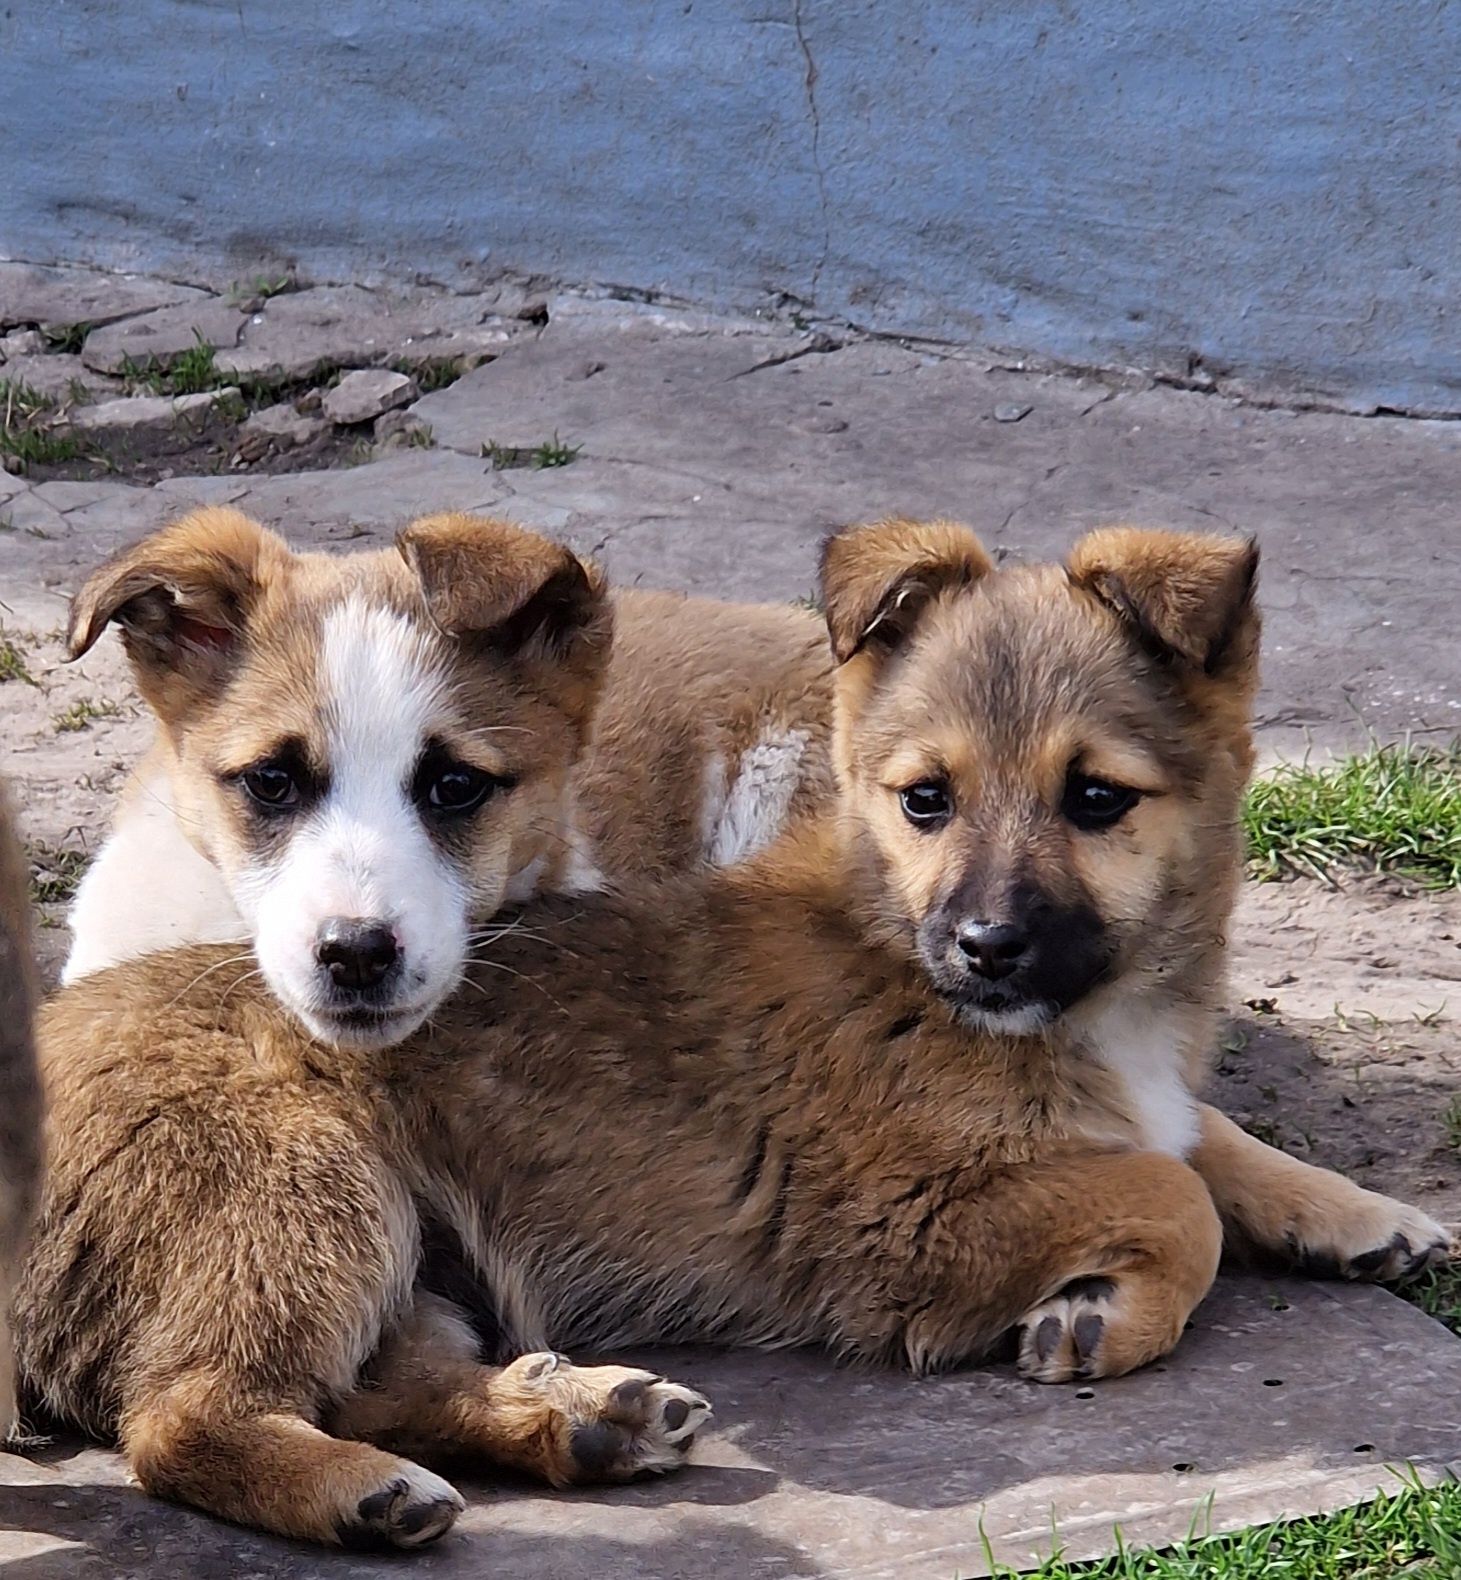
column 878, row 579
column 1188, row 597
column 182, row 599
column 512, row 592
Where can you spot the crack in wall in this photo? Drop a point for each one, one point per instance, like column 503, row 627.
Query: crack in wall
column 809, row 83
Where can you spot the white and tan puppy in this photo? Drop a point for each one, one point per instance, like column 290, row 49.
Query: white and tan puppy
column 315, row 752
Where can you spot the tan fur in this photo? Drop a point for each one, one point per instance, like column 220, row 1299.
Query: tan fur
column 733, row 1106
column 20, row 1095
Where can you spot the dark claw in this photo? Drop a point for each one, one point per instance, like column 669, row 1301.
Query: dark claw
column 375, row 1505
column 418, row 1515
column 1370, row 1261
column 1088, row 1329
column 676, row 1413
column 1047, row 1336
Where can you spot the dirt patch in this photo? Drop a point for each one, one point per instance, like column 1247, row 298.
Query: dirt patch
column 204, row 444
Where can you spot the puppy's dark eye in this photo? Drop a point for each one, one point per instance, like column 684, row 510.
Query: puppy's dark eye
column 452, row 789
column 1096, row 803
column 270, row 786
column 926, row 805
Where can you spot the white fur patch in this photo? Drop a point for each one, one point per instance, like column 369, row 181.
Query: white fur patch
column 363, row 851
column 1143, row 1050
column 756, row 806
column 147, row 890
column 1022, row 1022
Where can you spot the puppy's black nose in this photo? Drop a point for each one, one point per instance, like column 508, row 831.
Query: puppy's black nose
column 993, row 949
column 356, row 953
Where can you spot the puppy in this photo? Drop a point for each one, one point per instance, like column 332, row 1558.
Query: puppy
column 372, row 749
column 915, row 1076
column 287, row 683
column 710, row 730
column 20, row 1094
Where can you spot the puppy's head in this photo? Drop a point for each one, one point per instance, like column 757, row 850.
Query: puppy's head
column 371, row 747
column 1041, row 767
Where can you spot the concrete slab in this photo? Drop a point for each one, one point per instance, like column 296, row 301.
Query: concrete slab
column 162, row 335
column 294, row 333
column 1286, row 1397
column 35, row 294
column 716, row 462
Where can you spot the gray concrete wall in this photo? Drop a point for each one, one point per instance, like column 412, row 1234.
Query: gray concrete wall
column 1242, row 188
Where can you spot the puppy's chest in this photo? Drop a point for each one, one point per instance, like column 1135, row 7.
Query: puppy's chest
column 1128, row 1087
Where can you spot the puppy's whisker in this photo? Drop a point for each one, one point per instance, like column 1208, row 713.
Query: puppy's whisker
column 497, row 965
column 208, row 971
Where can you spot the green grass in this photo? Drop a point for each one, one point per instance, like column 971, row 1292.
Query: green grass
column 190, row 372
column 1392, row 808
column 68, row 338
column 23, row 431
column 55, row 873
column 262, row 287
column 80, row 715
column 435, row 373
column 551, row 452
column 1438, row 1294
column 1411, row 1534
column 12, row 663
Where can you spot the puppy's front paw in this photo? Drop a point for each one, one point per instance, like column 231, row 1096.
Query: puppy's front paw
column 1361, row 1234
column 407, row 1510
column 1100, row 1327
column 608, row 1423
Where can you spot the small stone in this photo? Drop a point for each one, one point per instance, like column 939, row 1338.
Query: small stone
column 145, row 411
column 367, row 393
column 278, row 427
column 22, row 343
column 1009, row 411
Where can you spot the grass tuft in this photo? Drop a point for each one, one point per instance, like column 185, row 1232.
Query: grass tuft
column 551, row 452
column 12, row 663
column 1411, row 1534
column 1391, row 809
column 23, row 432
column 55, row 873
column 67, row 338
column 80, row 715
column 190, row 372
column 1438, row 1294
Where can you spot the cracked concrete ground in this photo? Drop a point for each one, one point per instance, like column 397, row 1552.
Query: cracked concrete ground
column 713, row 455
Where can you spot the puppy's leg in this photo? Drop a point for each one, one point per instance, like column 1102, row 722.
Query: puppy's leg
column 211, row 1268
column 1096, row 1260
column 429, row 1396
column 1281, row 1212
column 199, row 1443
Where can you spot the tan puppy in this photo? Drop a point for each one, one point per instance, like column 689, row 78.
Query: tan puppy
column 710, row 730
column 20, row 1094
column 914, row 1077
column 376, row 745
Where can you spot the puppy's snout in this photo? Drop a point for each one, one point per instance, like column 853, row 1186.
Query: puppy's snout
column 358, row 954
column 994, row 949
